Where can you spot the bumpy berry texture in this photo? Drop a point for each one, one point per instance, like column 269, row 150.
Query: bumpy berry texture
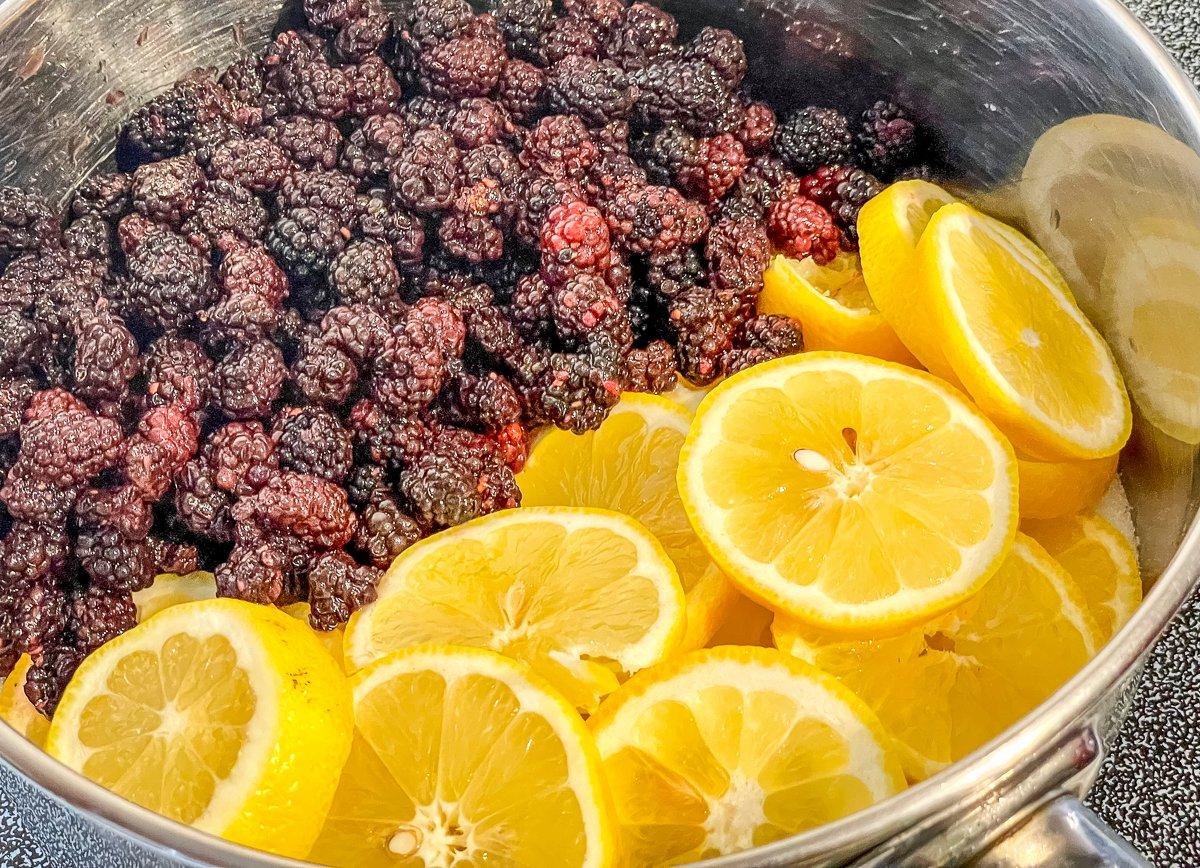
column 801, row 228
column 843, row 191
column 813, row 137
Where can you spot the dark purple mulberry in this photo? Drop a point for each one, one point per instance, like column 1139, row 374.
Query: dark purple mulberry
column 425, row 177
column 384, row 530
column 99, row 615
column 365, row 273
column 311, row 440
column 596, row 90
column 644, row 33
column 310, row 508
column 169, row 282
column 690, row 93
column 521, row 89
column 324, row 374
column 305, row 240
column 887, row 139
column 310, row 143
column 106, row 357
column 241, row 458
column 104, row 193
column 249, row 380
column 721, row 49
column 813, row 137
column 412, row 366
column 460, row 476
column 337, row 588
column 167, row 191
column 463, row 67
column 113, row 561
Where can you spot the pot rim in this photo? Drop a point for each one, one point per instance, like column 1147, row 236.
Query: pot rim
column 954, row 785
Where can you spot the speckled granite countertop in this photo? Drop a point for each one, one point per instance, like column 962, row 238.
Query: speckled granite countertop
column 1148, row 789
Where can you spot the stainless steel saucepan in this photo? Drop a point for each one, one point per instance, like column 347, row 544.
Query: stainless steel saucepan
column 1030, row 102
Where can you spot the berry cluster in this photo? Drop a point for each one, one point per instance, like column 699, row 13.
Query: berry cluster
column 313, row 310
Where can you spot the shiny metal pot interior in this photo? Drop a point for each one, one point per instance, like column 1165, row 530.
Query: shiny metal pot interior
column 989, row 78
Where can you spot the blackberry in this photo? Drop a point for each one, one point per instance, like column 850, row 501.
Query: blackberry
column 65, row 447
column 120, row 508
column 843, row 191
column 364, row 483
column 166, row 439
column 383, row 531
column 243, row 80
column 173, row 367
column 257, row 164
column 758, row 128
column 26, row 223
column 167, row 191
column 364, row 35
column 403, row 232
column 738, row 252
column 169, row 283
column 241, row 458
column 412, row 366
column 704, row 322
column 583, row 304
column 813, row 137
column 644, row 33
column 651, row 368
column 311, row 440
column 177, row 558
column 312, row 509
column 358, row 330
column 373, row 88
column 523, row 22
column 575, row 237
column 254, row 573
column 201, row 505
column 596, row 90
column 425, row 177
column 559, row 146
column 391, row 441
column 249, row 380
column 719, row 164
column 887, row 139
column 470, row 231
column 305, row 240
column 332, row 191
column 99, row 615
column 520, row 89
column 460, row 476
column 323, row 374
column 337, row 588
column 310, row 143
column 365, row 273
column 374, row 145
column 15, row 393
column 105, row 359
column 250, row 270
column 90, row 238
column 435, row 21
column 114, row 562
column 106, row 194
column 483, row 402
column 226, row 214
column 668, row 152
column 479, row 121
column 723, row 51
column 463, row 67
column 537, row 195
column 568, row 36
column 319, row 90
column 654, row 220
column 47, row 679
column 576, row 391
column 802, row 228
column 690, row 93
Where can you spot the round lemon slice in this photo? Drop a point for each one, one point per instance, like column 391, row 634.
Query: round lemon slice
column 464, row 757
column 169, row 589
column 946, row 687
column 849, row 492
column 628, row 465
column 833, row 306
column 582, row 595
column 15, row 708
column 1015, row 339
column 1050, row 489
column 889, row 228
column 730, row 748
column 221, row 714
column 1100, row 560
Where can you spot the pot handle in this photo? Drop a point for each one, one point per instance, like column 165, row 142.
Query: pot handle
column 1062, row 831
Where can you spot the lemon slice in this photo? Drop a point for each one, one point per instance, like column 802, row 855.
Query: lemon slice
column 463, row 757
column 849, row 492
column 1016, row 340
column 745, row 623
column 1100, row 560
column 832, row 305
column 1114, row 507
column 1153, row 315
column 1050, row 489
column 15, row 708
column 331, row 640
column 628, row 465
column 889, row 228
column 944, row 688
column 582, row 595
column 169, row 589
column 221, row 714
column 731, row 748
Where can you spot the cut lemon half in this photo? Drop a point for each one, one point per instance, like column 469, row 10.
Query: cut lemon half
column 15, row 708
column 1100, row 560
column 1016, row 340
column 464, row 757
column 848, row 492
column 946, row 687
column 169, row 589
column 1050, row 489
column 731, row 748
column 582, row 595
column 628, row 465
column 889, row 228
column 833, row 307
column 222, row 714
